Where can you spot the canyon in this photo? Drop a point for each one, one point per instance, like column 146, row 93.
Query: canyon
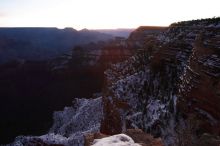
column 162, row 80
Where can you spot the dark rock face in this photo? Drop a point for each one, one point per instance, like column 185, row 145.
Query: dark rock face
column 32, row 90
column 143, row 139
column 89, row 138
column 209, row 140
column 201, row 81
column 179, row 65
column 37, row 142
column 143, row 35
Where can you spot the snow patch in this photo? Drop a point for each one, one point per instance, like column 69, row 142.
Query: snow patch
column 115, row 140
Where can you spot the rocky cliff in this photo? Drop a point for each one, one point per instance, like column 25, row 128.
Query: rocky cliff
column 169, row 88
column 179, row 65
column 200, row 84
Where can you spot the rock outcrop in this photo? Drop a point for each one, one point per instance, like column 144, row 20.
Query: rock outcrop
column 70, row 125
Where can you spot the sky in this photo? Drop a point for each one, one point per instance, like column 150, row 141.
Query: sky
column 103, row 14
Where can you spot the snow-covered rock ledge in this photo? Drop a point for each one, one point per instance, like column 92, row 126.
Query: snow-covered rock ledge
column 70, row 125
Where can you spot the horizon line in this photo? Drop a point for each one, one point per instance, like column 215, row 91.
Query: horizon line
column 68, row 27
